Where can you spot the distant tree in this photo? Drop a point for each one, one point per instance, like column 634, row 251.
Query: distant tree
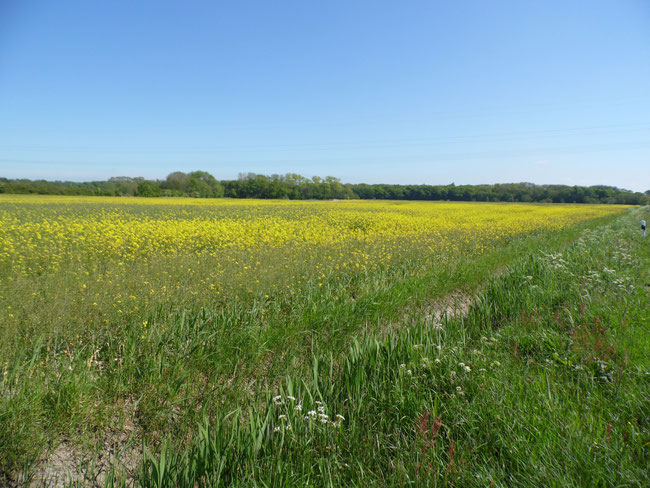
column 124, row 185
column 178, row 181
column 148, row 189
column 203, row 184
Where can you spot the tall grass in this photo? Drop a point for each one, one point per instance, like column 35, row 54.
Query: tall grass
column 544, row 382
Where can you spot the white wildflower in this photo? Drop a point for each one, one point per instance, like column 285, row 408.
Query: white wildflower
column 298, row 408
column 467, row 369
column 340, row 417
column 277, row 399
column 282, row 417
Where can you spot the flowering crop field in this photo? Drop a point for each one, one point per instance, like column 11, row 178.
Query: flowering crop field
column 70, row 263
column 40, row 233
column 155, row 312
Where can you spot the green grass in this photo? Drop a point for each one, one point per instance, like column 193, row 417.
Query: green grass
column 545, row 382
column 562, row 400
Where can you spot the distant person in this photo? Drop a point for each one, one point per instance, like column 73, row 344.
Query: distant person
column 643, row 228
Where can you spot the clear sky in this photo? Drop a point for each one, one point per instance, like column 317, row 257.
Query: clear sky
column 369, row 91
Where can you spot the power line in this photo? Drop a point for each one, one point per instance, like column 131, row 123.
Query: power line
column 383, row 143
column 448, row 156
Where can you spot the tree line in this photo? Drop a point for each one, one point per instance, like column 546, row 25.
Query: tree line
column 200, row 184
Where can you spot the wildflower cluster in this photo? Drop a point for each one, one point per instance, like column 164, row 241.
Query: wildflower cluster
column 296, row 416
column 555, row 261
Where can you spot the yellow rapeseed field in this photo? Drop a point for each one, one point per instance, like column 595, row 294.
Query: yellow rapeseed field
column 86, row 260
column 39, row 233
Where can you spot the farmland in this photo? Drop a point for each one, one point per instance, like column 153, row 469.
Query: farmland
column 130, row 321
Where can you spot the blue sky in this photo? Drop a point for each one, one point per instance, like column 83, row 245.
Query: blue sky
column 379, row 92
